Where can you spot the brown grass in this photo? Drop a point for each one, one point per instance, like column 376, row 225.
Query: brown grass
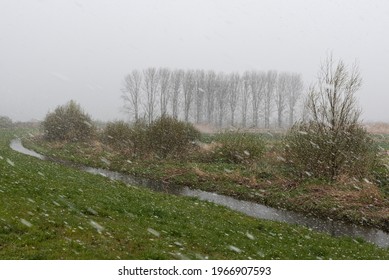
column 377, row 127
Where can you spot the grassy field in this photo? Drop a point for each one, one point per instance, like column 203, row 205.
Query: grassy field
column 265, row 180
column 48, row 211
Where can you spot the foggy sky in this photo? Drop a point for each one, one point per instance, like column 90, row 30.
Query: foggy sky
column 52, row 51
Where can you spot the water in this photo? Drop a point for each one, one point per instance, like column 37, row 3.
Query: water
column 334, row 228
column 16, row 145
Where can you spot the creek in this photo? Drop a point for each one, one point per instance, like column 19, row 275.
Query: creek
column 334, row 228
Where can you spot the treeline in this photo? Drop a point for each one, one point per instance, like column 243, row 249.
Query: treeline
column 252, row 99
column 7, row 122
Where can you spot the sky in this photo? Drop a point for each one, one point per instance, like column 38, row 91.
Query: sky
column 52, row 51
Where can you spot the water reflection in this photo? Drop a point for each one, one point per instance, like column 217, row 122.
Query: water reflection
column 334, row 228
column 16, row 145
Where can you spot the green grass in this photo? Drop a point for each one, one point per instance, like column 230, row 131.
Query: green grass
column 48, row 211
column 382, row 140
column 265, row 180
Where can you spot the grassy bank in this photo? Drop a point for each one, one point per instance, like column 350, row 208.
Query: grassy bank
column 48, row 211
column 265, row 180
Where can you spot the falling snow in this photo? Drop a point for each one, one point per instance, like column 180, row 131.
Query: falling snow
column 250, row 236
column 235, row 249
column 10, row 162
column 97, row 226
column 153, row 232
column 25, row 222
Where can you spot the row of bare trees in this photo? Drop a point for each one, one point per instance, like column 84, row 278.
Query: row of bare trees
column 251, row 99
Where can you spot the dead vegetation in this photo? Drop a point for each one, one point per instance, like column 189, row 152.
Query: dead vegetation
column 377, row 127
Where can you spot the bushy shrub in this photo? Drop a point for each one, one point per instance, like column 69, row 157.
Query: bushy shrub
column 5, row 122
column 139, row 138
column 129, row 138
column 321, row 152
column 237, row 147
column 117, row 134
column 163, row 138
column 168, row 136
column 68, row 123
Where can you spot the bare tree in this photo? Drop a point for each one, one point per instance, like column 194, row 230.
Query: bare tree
column 221, row 94
column 211, row 97
column 245, row 92
column 177, row 77
column 257, row 85
column 150, row 88
column 233, row 94
column 164, row 76
column 271, row 78
column 331, row 142
column 280, row 97
column 188, row 88
column 131, row 93
column 332, row 101
column 295, row 88
column 210, row 89
column 199, row 94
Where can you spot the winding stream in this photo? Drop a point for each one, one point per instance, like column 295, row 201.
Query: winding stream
column 334, row 228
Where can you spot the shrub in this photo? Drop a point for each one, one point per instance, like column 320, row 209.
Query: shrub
column 164, row 137
column 324, row 153
column 381, row 176
column 118, row 135
column 169, row 137
column 139, row 138
column 68, row 123
column 236, row 147
column 331, row 142
column 5, row 122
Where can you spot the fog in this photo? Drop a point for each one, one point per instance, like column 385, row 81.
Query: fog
column 54, row 51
